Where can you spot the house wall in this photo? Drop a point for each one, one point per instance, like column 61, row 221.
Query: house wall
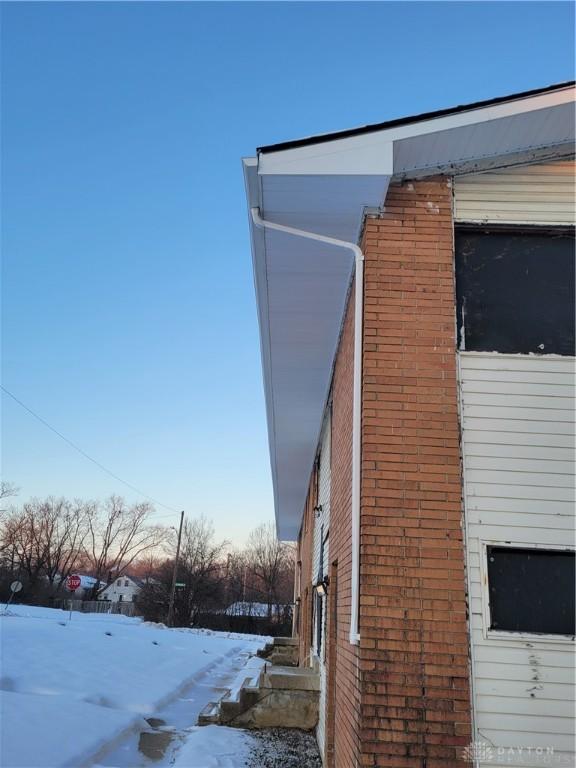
column 304, row 574
column 341, row 676
column 343, row 693
column 402, row 699
column 528, row 194
column 116, row 591
column 518, row 450
column 322, row 517
column 340, row 700
column 518, row 446
column 320, row 567
column 415, row 705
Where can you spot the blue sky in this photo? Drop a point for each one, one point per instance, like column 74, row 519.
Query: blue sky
column 128, row 310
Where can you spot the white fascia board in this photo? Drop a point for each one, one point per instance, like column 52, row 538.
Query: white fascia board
column 371, row 153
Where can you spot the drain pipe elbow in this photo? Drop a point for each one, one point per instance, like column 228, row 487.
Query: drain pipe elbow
column 260, row 223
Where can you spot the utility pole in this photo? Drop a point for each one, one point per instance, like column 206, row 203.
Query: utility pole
column 174, row 574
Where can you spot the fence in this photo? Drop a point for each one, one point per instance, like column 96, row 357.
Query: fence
column 254, row 625
column 96, row 606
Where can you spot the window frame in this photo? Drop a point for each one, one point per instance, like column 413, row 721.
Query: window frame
column 509, row 634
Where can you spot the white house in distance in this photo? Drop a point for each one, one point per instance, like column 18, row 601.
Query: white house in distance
column 122, row 590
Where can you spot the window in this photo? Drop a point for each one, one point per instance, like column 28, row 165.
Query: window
column 531, row 590
column 120, row 598
column 119, row 582
column 515, row 290
column 126, row 582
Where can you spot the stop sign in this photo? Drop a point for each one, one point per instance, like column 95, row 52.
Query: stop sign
column 72, row 583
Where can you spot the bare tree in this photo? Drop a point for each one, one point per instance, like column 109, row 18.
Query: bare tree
column 27, row 535
column 238, row 578
column 271, row 561
column 67, row 527
column 118, row 536
column 148, row 566
column 11, row 541
column 6, row 490
column 42, row 541
column 200, row 570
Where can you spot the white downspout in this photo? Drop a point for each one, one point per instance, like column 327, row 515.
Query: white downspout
column 357, row 395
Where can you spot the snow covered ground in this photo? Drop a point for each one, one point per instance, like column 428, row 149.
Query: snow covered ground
column 76, row 693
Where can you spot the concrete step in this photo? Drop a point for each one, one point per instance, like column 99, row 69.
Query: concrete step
column 210, row 714
column 290, row 678
column 271, row 696
column 281, row 650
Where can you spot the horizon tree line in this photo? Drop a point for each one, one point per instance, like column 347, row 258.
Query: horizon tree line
column 43, row 541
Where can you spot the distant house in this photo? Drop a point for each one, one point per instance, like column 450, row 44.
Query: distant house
column 124, row 589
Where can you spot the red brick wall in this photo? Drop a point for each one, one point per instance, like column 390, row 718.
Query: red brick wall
column 401, row 699
column 415, row 710
column 343, row 695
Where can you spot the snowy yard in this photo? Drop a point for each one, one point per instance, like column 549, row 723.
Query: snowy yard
column 99, row 690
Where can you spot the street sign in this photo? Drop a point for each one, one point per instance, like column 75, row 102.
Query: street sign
column 73, row 582
column 180, row 584
column 16, row 586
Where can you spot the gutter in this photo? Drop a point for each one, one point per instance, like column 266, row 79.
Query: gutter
column 261, row 223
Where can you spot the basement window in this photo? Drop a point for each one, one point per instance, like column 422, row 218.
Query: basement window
column 531, row 590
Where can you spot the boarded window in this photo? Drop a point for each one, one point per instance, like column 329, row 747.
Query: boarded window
column 531, row 590
column 515, row 291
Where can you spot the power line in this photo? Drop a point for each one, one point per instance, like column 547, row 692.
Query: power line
column 83, row 453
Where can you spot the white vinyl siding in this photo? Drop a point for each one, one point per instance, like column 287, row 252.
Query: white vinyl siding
column 518, row 451
column 321, row 543
column 120, row 590
column 529, row 194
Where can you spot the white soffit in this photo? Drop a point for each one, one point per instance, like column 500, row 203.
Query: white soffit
column 302, row 287
column 324, row 187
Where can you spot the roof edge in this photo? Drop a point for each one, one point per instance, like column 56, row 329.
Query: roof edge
column 373, row 127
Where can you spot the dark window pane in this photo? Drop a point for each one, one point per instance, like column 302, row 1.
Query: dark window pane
column 515, row 291
column 531, row 590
